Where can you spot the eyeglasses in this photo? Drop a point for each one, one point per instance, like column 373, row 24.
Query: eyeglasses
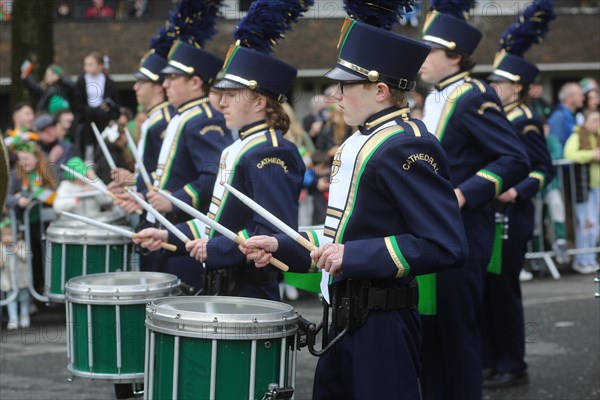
column 341, row 84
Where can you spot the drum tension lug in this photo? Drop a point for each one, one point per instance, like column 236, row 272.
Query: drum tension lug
column 277, row 393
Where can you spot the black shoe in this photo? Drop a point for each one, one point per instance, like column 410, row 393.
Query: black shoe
column 506, row 379
column 487, row 373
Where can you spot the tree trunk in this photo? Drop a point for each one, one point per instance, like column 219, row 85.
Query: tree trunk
column 32, row 39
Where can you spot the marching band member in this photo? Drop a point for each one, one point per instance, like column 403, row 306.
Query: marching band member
column 391, row 215
column 261, row 163
column 504, row 325
column 485, row 156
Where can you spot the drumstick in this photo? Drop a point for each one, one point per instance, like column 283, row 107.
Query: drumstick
column 107, row 155
column 215, row 225
column 96, row 184
column 159, row 217
column 138, row 162
column 263, row 212
column 111, row 228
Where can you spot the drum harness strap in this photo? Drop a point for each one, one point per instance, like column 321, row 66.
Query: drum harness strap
column 351, row 302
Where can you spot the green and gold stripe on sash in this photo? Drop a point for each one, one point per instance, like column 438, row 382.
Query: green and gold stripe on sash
column 450, row 106
column 313, row 238
column 194, row 229
column 362, row 160
column 392, row 246
column 492, row 177
column 251, row 144
column 193, row 193
column 171, row 158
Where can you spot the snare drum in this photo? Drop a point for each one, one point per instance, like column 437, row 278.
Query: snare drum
column 105, row 322
column 218, row 347
column 76, row 249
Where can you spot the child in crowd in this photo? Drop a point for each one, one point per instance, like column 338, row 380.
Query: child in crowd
column 14, row 276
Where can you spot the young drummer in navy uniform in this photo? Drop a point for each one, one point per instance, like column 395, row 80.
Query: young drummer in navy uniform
column 189, row 156
column 504, row 326
column 392, row 214
column 485, row 156
column 261, row 163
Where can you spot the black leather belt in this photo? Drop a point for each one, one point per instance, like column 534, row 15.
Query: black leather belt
column 352, row 300
column 386, row 299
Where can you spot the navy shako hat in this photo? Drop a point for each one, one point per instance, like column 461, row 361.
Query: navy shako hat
column 530, row 27
column 370, row 54
column 247, row 68
column 151, row 67
column 249, row 63
column 511, row 68
column 446, row 26
column 185, row 59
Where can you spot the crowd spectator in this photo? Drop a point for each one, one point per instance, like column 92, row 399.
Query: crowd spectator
column 583, row 147
column 55, row 150
column 333, row 133
column 14, row 276
column 537, row 103
column 22, row 118
column 32, row 179
column 64, row 125
column 562, row 121
column 313, row 122
column 63, row 11
column 591, row 98
column 99, row 10
column 53, row 93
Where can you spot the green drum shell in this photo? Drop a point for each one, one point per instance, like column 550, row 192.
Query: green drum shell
column 218, row 347
column 75, row 249
column 105, row 322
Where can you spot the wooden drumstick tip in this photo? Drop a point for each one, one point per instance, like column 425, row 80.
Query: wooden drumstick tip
column 169, row 246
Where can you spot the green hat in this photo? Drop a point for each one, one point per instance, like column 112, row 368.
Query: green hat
column 75, row 164
column 57, row 103
column 5, row 223
column 56, row 69
column 23, row 146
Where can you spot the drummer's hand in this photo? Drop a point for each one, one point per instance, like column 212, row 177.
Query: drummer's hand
column 122, row 177
column 126, row 203
column 158, row 202
column 329, row 257
column 151, row 238
column 259, row 249
column 115, row 188
column 197, row 249
column 509, row 196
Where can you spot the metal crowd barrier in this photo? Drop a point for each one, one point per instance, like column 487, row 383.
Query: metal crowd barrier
column 47, row 214
column 565, row 172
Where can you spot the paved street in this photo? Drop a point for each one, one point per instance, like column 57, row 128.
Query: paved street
column 563, row 347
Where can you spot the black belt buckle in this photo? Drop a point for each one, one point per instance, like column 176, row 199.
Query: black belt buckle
column 377, row 298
